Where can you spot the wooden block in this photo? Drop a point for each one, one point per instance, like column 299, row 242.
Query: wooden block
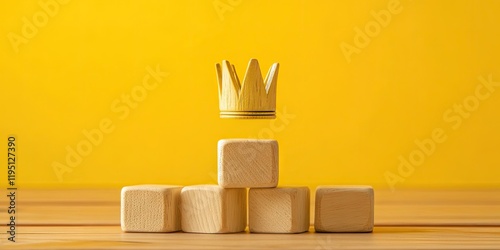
column 150, row 208
column 213, row 209
column 279, row 210
column 248, row 163
column 344, row 209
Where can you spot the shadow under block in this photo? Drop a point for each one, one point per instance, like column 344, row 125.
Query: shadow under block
column 279, row 210
column 344, row 209
column 150, row 208
column 247, row 163
column 213, row 209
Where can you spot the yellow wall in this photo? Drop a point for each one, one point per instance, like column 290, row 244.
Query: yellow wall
column 350, row 106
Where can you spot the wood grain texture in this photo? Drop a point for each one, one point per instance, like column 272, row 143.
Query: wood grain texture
column 254, row 98
column 402, row 207
column 90, row 219
column 111, row 237
column 150, row 208
column 248, row 163
column 344, row 209
column 213, row 209
column 278, row 210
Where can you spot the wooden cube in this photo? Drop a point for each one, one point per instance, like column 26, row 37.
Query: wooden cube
column 150, row 208
column 344, row 209
column 279, row 210
column 248, row 163
column 213, row 209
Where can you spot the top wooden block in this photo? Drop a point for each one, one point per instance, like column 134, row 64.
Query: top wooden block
column 248, row 163
column 255, row 98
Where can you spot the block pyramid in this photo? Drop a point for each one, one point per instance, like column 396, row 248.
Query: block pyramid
column 243, row 164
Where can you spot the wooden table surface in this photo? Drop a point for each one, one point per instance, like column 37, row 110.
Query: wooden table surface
column 404, row 219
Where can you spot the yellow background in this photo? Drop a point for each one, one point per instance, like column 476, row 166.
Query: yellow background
column 347, row 122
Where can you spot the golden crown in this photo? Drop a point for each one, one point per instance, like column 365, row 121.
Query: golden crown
column 255, row 98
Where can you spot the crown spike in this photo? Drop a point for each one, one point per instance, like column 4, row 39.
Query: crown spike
column 218, row 70
column 272, row 77
column 237, row 79
column 253, row 85
column 230, row 87
column 252, row 98
column 271, row 83
column 233, row 78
